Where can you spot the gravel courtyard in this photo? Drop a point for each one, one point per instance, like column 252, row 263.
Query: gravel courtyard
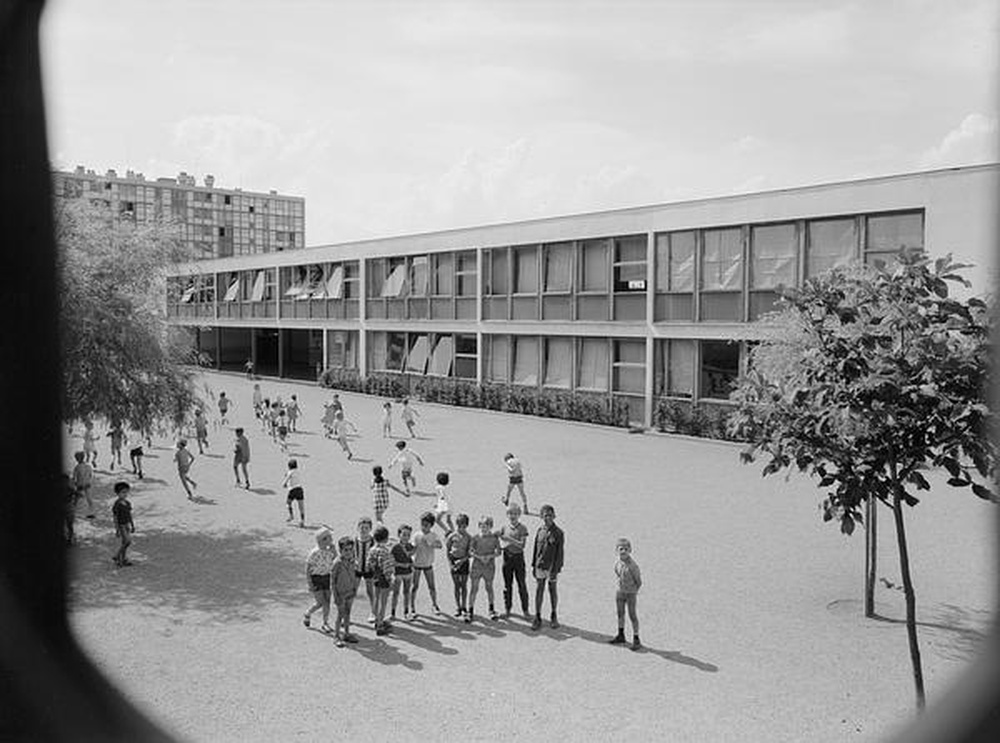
column 750, row 608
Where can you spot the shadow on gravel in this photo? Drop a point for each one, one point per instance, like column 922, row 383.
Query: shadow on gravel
column 954, row 632
column 235, row 576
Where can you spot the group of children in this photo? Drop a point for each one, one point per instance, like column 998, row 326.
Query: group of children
column 277, row 418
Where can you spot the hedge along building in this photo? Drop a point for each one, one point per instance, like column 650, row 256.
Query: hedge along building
column 639, row 304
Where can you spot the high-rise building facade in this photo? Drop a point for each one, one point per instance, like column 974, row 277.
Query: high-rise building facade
column 216, row 222
column 641, row 304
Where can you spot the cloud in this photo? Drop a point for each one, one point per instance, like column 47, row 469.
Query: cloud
column 228, row 144
column 974, row 140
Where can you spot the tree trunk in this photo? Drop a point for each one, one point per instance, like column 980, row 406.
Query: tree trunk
column 911, row 601
column 871, row 554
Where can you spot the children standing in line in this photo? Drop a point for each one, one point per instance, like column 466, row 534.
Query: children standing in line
column 282, row 428
column 409, row 416
column 319, row 566
column 241, row 457
column 83, row 479
column 387, row 420
column 89, row 443
column 184, row 460
column 362, row 543
column 424, row 545
column 629, row 581
column 223, row 409
column 457, row 548
column 343, row 586
column 293, row 413
column 201, row 430
column 402, row 555
column 515, row 477
column 546, row 563
column 513, row 539
column 293, row 484
column 117, row 435
column 483, row 548
column 340, row 434
column 442, row 509
column 406, row 458
column 121, row 511
column 382, row 568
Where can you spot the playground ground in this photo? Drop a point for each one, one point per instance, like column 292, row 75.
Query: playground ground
column 750, row 609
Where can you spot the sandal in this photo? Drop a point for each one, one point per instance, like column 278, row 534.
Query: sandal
column 306, row 619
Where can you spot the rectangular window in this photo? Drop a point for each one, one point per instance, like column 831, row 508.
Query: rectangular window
column 498, row 272
column 416, row 359
column 675, row 368
column 352, row 280
column 395, row 351
column 441, row 358
column 630, row 263
column 720, row 367
column 592, row 365
column 558, row 362
column 675, row 262
column 773, row 256
column 499, row 346
column 525, row 270
column 525, row 360
column 558, row 267
column 466, row 356
column 594, row 265
column 630, row 367
column 830, row 243
column 376, row 277
column 466, row 273
column 722, row 260
column 444, row 275
column 379, row 345
column 418, row 276
column 887, row 234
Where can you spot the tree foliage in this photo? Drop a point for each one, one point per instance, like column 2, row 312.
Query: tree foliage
column 120, row 358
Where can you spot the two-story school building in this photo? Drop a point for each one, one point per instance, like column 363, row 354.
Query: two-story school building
column 638, row 303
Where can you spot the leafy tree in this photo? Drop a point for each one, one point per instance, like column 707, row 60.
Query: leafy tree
column 120, row 358
column 866, row 379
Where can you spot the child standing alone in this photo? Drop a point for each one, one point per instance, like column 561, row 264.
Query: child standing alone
column 293, row 484
column 629, row 582
column 387, row 420
column 121, row 511
column 515, row 478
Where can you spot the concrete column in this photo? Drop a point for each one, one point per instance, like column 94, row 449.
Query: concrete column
column 281, row 353
column 363, row 318
column 650, row 310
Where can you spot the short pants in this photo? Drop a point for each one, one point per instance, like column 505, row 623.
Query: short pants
column 296, row 494
column 320, row 582
column 545, row 575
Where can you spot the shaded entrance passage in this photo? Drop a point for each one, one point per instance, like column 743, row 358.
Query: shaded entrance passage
column 301, row 353
column 265, row 352
column 234, row 348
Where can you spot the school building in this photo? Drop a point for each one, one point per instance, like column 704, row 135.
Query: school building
column 638, row 303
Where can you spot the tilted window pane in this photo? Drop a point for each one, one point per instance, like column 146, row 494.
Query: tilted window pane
column 442, row 357
column 830, row 243
column 525, row 271
column 892, row 232
column 773, row 249
column 393, row 287
column 525, row 360
column 595, row 265
column 722, row 260
column 258, row 287
column 232, row 292
column 335, row 284
column 416, row 359
column 558, row 361
column 558, row 263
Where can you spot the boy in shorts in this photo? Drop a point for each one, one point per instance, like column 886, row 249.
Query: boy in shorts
column 241, row 457
column 121, row 511
column 135, row 455
column 293, row 485
column 343, row 586
column 362, row 544
column 406, row 457
column 201, row 430
column 402, row 555
column 382, row 568
column 442, row 509
column 546, row 563
column 223, row 409
column 319, row 566
column 184, row 460
column 629, row 581
column 515, row 478
column 483, row 548
column 457, row 549
column 424, row 543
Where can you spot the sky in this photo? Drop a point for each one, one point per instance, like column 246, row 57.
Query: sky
column 394, row 118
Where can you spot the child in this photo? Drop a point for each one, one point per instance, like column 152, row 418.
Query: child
column 201, row 430
column 340, row 434
column 223, row 409
column 135, row 455
column 241, row 457
column 258, row 402
column 424, row 545
column 319, row 566
column 387, row 420
column 293, row 483
column 457, row 549
column 629, row 583
column 343, row 586
column 483, row 548
column 406, row 457
column 282, row 428
column 381, row 566
column 293, row 413
column 515, row 476
column 184, row 460
column 513, row 538
column 402, row 555
column 380, row 492
column 362, row 543
column 265, row 415
column 124, row 526
column 546, row 562
column 83, row 479
column 272, row 419
column 117, row 435
column 328, row 419
column 89, row 442
column 441, row 508
column 248, row 368
column 409, row 416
